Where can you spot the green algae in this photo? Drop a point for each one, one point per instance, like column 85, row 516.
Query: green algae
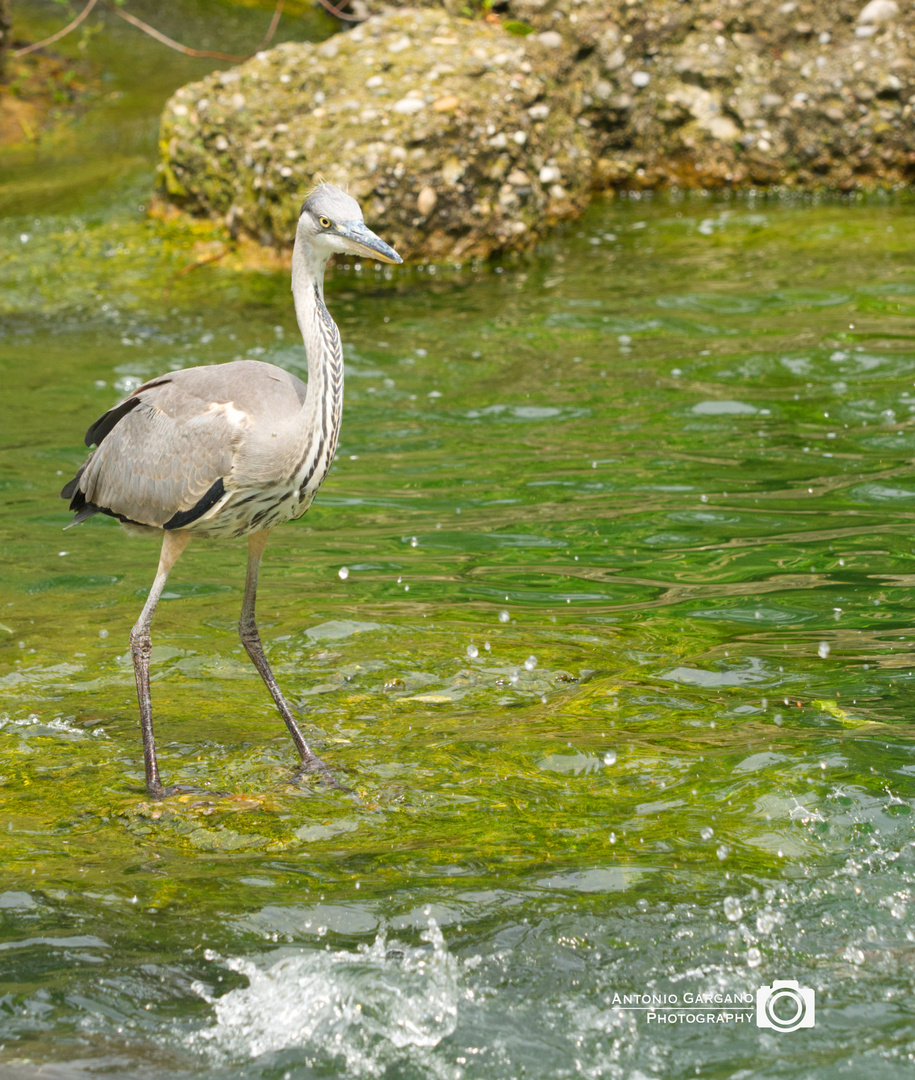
column 670, row 666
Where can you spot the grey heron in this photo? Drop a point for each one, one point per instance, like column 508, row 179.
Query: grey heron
column 230, row 450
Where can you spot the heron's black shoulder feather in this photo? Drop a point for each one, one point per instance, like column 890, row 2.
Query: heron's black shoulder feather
column 104, row 424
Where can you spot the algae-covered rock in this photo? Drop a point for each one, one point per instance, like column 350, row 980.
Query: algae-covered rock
column 458, row 137
column 463, row 137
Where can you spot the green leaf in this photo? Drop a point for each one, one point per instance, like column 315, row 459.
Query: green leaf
column 520, row 29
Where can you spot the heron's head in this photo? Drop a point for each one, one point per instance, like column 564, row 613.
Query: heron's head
column 331, row 221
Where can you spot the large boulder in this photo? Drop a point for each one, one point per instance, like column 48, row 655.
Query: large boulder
column 715, row 93
column 465, row 137
column 458, row 137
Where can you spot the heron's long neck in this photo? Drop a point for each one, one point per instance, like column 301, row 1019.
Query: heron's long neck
column 322, row 411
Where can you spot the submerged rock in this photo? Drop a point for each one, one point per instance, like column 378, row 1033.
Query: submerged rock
column 459, row 139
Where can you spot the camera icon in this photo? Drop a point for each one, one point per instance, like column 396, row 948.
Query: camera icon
column 785, row 1006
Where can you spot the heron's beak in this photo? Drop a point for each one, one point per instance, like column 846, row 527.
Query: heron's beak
column 365, row 242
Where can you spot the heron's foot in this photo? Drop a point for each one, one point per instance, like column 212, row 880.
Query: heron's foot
column 314, row 766
column 162, row 792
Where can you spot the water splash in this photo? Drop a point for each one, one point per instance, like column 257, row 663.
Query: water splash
column 373, row 1007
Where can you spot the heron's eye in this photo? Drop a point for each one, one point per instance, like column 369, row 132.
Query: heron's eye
column 324, row 222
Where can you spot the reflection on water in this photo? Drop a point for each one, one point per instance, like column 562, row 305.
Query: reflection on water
column 604, row 613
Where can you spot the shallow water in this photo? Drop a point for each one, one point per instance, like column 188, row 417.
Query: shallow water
column 620, row 672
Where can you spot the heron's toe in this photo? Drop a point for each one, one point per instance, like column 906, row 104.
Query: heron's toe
column 189, row 789
column 315, row 767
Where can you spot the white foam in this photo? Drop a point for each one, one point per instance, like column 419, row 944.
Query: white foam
column 368, row 1006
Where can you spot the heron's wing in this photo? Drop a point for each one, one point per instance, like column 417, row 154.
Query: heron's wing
column 166, row 453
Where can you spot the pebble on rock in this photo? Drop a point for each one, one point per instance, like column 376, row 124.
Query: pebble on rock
column 426, row 201
column 878, row 11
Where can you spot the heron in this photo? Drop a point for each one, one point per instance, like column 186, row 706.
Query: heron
column 230, row 450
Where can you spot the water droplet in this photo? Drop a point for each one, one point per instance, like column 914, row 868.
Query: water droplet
column 707, row 833
column 503, row 616
column 823, row 650
column 103, row 633
column 530, row 663
column 610, row 757
column 612, row 838
column 754, row 958
column 343, row 573
column 487, row 646
column 723, row 852
column 473, row 652
column 732, row 908
column 414, row 542
column 765, row 922
column 854, row 955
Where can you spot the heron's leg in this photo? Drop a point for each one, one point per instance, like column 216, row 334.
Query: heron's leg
column 173, row 543
column 250, row 638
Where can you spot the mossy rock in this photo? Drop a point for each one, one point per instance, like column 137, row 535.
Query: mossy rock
column 459, row 138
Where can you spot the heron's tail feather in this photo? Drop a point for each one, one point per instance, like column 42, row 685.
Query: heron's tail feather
column 71, row 488
column 77, row 499
column 88, row 510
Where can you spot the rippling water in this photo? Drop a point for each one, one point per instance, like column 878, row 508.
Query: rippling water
column 620, row 669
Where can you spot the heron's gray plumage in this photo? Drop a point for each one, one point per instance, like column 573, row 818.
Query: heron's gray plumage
column 231, row 449
column 241, row 422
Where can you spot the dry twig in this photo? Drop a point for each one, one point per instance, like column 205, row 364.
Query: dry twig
column 157, row 34
column 328, row 6
column 60, row 33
